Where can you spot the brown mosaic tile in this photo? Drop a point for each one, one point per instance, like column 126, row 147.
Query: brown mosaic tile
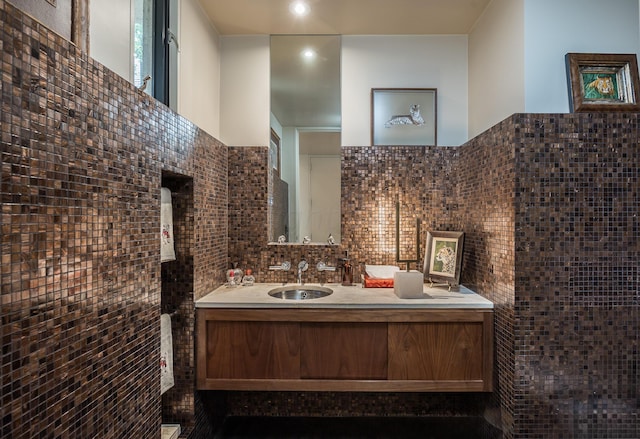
column 577, row 285
column 82, row 158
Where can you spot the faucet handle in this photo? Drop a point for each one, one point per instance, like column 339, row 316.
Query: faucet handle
column 285, row 266
column 321, row 266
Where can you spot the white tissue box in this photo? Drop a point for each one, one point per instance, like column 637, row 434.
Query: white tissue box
column 408, row 285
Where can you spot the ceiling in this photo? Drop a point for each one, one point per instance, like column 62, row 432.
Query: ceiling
column 292, row 100
column 345, row 17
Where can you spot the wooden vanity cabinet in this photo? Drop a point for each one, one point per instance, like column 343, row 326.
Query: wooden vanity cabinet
column 345, row 350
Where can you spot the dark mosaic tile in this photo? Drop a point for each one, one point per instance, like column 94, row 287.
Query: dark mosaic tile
column 359, row 427
column 82, row 156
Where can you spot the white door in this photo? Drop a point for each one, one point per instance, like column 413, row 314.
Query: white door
column 324, row 184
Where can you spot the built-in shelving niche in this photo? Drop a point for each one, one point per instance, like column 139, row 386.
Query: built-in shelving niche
column 177, row 298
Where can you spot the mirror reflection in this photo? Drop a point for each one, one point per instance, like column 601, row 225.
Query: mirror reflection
column 305, row 139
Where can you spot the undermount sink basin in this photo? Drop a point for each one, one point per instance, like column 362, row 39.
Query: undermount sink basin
column 300, row 292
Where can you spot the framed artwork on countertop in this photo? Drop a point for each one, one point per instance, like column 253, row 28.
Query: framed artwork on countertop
column 443, row 257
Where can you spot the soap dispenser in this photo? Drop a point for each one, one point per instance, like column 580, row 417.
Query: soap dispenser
column 347, row 271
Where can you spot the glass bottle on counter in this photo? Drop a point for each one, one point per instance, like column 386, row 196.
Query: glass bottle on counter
column 231, row 278
column 237, row 275
column 248, row 278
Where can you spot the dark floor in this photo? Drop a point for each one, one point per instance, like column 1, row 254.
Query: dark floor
column 360, row 428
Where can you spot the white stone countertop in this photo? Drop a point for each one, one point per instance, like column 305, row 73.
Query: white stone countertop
column 353, row 297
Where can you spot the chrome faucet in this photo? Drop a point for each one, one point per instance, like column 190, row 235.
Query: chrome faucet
column 302, row 266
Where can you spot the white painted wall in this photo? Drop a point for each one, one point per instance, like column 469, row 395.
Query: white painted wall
column 111, row 35
column 552, row 28
column 111, row 43
column 513, row 61
column 244, row 97
column 199, row 68
column 423, row 61
column 496, row 65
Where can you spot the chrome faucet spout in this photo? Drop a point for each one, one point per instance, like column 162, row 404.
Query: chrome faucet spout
column 302, row 266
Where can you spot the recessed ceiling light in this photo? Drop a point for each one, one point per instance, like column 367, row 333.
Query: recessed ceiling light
column 299, row 8
column 308, row 54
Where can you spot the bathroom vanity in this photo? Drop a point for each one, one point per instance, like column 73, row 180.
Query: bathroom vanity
column 355, row 339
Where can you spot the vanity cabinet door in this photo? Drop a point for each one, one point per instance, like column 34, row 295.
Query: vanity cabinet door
column 350, row 350
column 343, row 351
column 436, row 351
column 252, row 350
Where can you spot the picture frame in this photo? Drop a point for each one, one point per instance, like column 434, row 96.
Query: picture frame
column 602, row 82
column 443, row 257
column 404, row 116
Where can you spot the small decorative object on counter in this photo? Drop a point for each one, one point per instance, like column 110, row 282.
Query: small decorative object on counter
column 379, row 276
column 248, row 278
column 347, row 272
column 237, row 275
column 331, row 240
column 231, row 278
column 408, row 284
column 306, row 240
column 282, row 239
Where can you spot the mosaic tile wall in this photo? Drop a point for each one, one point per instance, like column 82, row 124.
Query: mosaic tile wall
column 375, row 179
column 82, row 158
column 250, row 213
column 337, row 404
column 485, row 187
column 577, row 267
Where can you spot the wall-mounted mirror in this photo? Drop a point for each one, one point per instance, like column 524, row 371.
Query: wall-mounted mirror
column 305, row 123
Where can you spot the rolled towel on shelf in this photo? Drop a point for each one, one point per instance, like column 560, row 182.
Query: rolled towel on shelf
column 167, row 250
column 166, row 354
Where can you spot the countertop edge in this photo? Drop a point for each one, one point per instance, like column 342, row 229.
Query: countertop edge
column 353, row 297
